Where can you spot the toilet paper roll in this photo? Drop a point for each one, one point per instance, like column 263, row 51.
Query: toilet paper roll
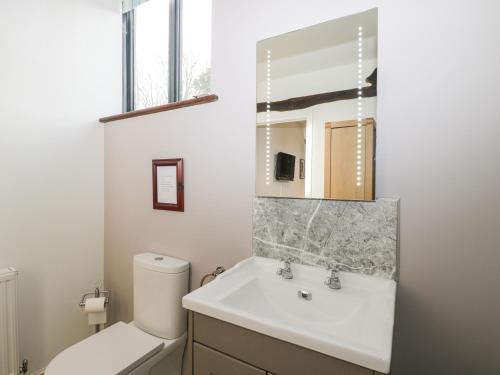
column 95, row 305
column 96, row 310
column 97, row 318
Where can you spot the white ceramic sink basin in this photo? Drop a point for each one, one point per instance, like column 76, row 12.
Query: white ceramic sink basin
column 354, row 323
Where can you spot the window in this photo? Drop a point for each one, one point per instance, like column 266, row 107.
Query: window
column 196, row 47
column 166, row 51
column 151, row 49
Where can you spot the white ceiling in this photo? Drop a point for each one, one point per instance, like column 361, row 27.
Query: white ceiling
column 319, row 60
column 324, row 35
column 323, row 46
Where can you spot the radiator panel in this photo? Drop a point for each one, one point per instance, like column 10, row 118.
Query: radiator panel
column 9, row 336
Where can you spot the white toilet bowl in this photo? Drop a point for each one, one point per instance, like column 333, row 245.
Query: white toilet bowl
column 154, row 345
column 121, row 349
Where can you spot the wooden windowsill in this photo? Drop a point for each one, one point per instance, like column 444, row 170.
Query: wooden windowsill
column 161, row 108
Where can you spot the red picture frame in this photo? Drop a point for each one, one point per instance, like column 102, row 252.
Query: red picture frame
column 168, row 186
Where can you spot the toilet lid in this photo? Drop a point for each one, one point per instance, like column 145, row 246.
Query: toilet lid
column 115, row 350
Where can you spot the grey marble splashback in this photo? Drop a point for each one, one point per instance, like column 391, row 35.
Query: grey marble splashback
column 359, row 236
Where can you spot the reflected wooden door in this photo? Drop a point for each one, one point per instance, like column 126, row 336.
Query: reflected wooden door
column 345, row 178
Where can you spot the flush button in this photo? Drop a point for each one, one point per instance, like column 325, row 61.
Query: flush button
column 159, row 258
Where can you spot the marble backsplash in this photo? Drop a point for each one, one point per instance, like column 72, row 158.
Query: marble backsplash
column 359, row 236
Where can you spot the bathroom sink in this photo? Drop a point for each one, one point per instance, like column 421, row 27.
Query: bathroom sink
column 354, row 323
column 273, row 299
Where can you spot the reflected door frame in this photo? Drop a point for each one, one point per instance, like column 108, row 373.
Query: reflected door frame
column 367, row 189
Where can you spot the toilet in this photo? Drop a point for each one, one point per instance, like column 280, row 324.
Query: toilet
column 153, row 344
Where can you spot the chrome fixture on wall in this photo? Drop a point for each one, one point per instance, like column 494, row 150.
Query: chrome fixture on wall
column 92, row 296
column 286, row 271
column 214, row 274
column 333, row 282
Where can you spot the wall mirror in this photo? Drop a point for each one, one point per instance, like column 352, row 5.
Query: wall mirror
column 317, row 111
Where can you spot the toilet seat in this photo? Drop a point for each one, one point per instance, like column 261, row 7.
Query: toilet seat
column 118, row 349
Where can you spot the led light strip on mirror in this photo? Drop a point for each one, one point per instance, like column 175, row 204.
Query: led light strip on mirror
column 268, row 119
column 359, row 151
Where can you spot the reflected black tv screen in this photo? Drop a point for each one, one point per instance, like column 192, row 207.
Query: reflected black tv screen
column 285, row 166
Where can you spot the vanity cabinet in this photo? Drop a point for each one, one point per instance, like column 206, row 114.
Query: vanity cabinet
column 211, row 362
column 221, row 348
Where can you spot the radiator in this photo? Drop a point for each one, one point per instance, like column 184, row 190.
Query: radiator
column 9, row 336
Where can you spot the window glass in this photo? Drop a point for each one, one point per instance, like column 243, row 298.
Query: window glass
column 151, row 53
column 196, row 47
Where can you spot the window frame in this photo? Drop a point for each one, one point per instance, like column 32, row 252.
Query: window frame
column 174, row 61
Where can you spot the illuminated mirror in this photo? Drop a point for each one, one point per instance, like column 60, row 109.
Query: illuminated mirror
column 317, row 111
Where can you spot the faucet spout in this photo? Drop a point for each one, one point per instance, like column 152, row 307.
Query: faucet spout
column 286, row 271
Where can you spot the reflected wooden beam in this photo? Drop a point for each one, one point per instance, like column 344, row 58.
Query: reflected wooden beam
column 302, row 102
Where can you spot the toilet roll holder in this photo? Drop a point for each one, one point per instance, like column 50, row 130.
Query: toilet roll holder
column 97, row 293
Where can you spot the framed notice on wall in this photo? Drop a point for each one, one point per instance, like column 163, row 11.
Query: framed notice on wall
column 168, row 184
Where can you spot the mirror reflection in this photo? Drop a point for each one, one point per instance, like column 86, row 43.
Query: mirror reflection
column 316, row 111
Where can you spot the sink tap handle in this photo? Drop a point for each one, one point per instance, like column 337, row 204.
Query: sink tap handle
column 286, row 270
column 333, row 282
column 288, row 263
column 334, row 267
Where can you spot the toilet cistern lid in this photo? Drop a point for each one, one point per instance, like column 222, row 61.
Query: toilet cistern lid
column 161, row 263
column 115, row 350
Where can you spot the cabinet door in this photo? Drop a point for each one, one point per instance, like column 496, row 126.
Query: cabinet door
column 211, row 362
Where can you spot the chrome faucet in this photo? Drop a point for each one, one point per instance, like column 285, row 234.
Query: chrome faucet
column 286, row 271
column 333, row 282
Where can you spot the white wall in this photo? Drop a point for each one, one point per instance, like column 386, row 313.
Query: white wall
column 288, row 138
column 59, row 71
column 439, row 146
